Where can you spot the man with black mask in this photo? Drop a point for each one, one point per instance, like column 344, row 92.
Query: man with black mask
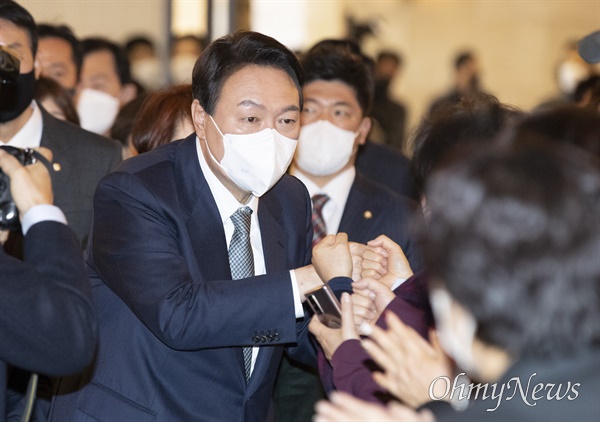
column 80, row 157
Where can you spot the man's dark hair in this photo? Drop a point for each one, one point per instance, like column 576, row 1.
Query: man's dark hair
column 338, row 60
column 92, row 45
column 566, row 124
column 454, row 130
column 514, row 237
column 390, row 55
column 140, row 40
column 463, row 58
column 228, row 54
column 64, row 33
column 18, row 15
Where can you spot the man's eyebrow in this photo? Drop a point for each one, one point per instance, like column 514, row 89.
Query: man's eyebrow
column 251, row 103
column 290, row 108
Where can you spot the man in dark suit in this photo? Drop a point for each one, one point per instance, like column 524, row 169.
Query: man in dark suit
column 183, row 334
column 80, row 157
column 338, row 95
column 47, row 320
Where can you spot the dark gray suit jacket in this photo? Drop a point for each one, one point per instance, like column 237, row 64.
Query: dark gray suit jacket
column 80, row 160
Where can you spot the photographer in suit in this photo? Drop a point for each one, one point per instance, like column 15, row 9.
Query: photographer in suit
column 47, row 322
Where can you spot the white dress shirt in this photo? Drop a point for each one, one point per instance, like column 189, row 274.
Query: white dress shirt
column 227, row 205
column 337, row 189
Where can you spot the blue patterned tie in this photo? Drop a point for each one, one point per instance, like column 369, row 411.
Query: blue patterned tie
column 241, row 261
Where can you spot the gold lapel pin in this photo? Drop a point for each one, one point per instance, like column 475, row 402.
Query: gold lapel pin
column 367, row 215
column 56, row 166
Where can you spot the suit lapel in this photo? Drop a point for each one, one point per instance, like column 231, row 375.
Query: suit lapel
column 203, row 223
column 360, row 210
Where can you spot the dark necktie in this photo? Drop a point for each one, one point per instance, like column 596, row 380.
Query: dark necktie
column 241, row 261
column 319, row 227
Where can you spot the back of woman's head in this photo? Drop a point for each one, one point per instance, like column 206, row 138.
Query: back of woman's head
column 514, row 236
column 162, row 113
column 456, row 130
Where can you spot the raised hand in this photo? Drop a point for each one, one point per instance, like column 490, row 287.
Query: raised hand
column 331, row 338
column 409, row 362
column 331, row 257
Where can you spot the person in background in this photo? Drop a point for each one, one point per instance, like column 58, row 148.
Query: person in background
column 105, row 85
column 59, row 53
column 165, row 116
column 467, row 80
column 81, row 158
column 338, row 95
column 389, row 115
column 47, row 320
column 146, row 67
column 123, row 125
column 55, row 100
column 185, row 50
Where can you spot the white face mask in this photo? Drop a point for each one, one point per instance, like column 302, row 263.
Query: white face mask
column 255, row 161
column 149, row 72
column 97, row 110
column 456, row 330
column 324, row 148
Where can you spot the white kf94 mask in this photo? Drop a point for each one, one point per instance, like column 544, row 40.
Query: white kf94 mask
column 255, row 161
column 324, row 148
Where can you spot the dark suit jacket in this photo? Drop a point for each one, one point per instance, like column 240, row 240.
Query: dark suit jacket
column 47, row 320
column 80, row 159
column 372, row 210
column 171, row 318
column 387, row 166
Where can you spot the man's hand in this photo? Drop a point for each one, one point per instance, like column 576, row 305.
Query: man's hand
column 384, row 257
column 331, row 338
column 331, row 257
column 379, row 291
column 29, row 185
column 357, row 250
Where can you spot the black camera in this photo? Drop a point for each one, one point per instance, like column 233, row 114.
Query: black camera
column 9, row 214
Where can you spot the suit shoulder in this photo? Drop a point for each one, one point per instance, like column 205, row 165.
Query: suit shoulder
column 76, row 136
column 164, row 155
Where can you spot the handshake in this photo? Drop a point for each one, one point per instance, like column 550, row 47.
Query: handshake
column 375, row 268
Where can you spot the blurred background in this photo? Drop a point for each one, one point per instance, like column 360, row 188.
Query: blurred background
column 519, row 44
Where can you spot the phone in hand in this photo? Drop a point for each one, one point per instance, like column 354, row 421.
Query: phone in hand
column 325, row 305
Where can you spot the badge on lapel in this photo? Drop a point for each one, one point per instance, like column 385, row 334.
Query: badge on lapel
column 367, row 215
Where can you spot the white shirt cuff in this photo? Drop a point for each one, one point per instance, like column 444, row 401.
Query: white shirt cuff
column 297, row 301
column 398, row 282
column 41, row 213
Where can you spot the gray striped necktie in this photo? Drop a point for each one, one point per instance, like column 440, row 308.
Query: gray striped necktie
column 241, row 261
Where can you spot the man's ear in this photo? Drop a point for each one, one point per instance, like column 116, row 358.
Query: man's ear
column 199, row 119
column 127, row 94
column 37, row 66
column 364, row 129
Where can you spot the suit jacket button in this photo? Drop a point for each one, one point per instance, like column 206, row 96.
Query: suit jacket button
column 270, row 338
column 256, row 339
column 276, row 337
column 263, row 339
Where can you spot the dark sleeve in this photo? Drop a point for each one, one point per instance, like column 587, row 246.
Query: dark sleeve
column 137, row 251
column 47, row 320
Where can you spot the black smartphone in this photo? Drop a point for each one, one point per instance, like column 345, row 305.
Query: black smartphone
column 325, row 305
